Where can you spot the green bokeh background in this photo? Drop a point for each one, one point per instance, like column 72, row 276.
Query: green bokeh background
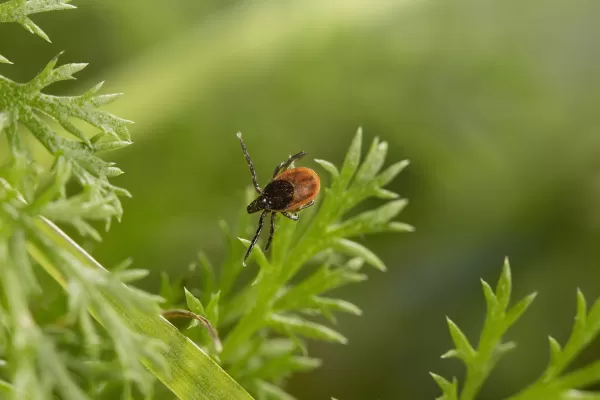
column 495, row 102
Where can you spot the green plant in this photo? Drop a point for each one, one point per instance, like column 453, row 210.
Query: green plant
column 108, row 336
column 554, row 384
column 66, row 353
column 267, row 318
column 19, row 10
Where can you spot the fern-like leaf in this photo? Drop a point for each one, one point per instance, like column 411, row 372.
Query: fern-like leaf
column 19, row 10
column 481, row 360
column 26, row 104
column 554, row 383
column 271, row 304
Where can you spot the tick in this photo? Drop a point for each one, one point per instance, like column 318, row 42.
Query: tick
column 289, row 191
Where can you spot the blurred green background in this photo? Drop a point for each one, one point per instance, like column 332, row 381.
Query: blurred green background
column 495, row 102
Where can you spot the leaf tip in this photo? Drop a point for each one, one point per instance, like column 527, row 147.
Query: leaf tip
column 555, row 347
column 532, row 296
column 581, row 297
column 504, row 285
column 581, row 314
column 449, row 354
column 506, row 347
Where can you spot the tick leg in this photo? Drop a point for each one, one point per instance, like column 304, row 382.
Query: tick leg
column 285, row 164
column 250, row 164
column 272, row 231
column 305, row 206
column 256, row 235
column 293, row 217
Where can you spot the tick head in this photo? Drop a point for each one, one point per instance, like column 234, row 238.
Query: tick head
column 260, row 203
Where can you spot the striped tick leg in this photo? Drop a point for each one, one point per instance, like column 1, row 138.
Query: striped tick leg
column 285, row 164
column 256, row 235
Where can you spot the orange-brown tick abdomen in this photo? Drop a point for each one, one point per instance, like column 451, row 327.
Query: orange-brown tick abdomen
column 306, row 185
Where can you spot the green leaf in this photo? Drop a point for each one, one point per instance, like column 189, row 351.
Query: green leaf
column 167, row 290
column 282, row 241
column 504, row 286
column 193, row 303
column 131, row 275
column 354, row 249
column 350, row 163
column 296, row 325
column 553, row 383
column 464, row 349
column 25, row 103
column 373, row 221
column 212, row 309
column 5, row 387
column 517, row 310
column 92, row 338
column 279, row 361
column 191, row 374
column 5, row 61
column 277, row 347
column 373, row 162
column 322, row 280
column 337, row 305
column 555, row 350
column 581, row 378
column 385, row 194
column 389, row 174
column 449, row 389
column 490, row 298
column 18, row 10
column 329, row 167
column 273, row 392
column 581, row 315
column 593, row 322
column 258, row 254
column 580, row 395
column 111, row 145
column 208, row 274
column 481, row 360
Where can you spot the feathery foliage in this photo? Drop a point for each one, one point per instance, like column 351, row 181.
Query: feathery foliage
column 19, row 11
column 268, row 319
column 106, row 334
column 26, row 104
column 29, row 192
column 553, row 384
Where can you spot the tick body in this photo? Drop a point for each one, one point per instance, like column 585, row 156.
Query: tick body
column 289, row 191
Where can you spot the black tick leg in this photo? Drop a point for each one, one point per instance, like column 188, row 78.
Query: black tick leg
column 250, row 165
column 272, row 231
column 288, row 162
column 256, row 235
column 305, row 206
column 293, row 217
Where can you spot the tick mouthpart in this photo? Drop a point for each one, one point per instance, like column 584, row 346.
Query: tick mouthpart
column 258, row 204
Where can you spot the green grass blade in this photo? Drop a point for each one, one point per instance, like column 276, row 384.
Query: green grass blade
column 193, row 374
